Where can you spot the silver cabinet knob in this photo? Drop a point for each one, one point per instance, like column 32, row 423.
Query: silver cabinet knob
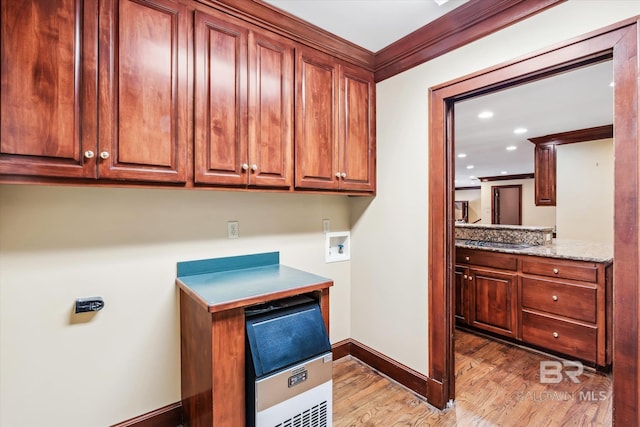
column 470, row 277
column 254, row 167
column 556, row 271
column 556, row 335
column 104, row 155
column 555, row 297
column 465, row 276
column 338, row 175
column 466, row 258
column 89, row 154
column 343, row 175
column 245, row 166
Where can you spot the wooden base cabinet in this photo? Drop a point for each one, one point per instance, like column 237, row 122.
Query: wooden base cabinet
column 554, row 304
column 493, row 301
column 462, row 295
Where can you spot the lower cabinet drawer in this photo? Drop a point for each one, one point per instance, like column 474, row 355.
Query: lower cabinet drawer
column 571, row 338
column 564, row 299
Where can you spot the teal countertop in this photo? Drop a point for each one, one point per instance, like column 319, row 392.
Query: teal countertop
column 231, row 282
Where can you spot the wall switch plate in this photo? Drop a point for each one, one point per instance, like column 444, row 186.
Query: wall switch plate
column 233, row 231
column 325, row 226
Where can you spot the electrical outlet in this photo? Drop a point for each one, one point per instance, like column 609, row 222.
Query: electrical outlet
column 325, row 226
column 233, row 231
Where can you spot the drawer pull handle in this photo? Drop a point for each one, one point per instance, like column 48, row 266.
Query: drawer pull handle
column 466, row 258
column 556, row 335
column 556, row 271
column 555, row 297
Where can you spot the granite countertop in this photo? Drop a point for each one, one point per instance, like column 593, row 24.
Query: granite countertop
column 503, row 227
column 559, row 248
column 231, row 282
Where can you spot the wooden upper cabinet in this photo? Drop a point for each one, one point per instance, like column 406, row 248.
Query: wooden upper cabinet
column 143, row 90
column 48, row 113
column 220, row 100
column 357, row 127
column 545, row 174
column 243, row 104
column 335, row 125
column 316, row 145
column 270, row 110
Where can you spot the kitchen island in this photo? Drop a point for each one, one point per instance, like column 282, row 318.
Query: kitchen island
column 554, row 296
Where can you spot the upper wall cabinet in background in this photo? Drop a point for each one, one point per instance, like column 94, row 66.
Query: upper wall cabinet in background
column 243, row 135
column 48, row 118
column 143, row 90
column 335, row 124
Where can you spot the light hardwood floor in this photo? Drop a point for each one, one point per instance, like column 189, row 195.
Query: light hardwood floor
column 497, row 384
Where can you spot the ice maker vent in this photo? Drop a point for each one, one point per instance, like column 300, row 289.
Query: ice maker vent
column 313, row 417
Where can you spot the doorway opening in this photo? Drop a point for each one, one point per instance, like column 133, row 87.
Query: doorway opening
column 619, row 44
column 506, row 204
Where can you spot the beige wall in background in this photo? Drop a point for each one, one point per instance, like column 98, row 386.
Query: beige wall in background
column 532, row 215
column 389, row 268
column 584, row 191
column 473, row 197
column 61, row 243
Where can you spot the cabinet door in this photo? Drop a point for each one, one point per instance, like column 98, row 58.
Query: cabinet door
column 494, row 301
column 48, row 118
column 545, row 174
column 143, row 90
column 220, row 100
column 357, row 130
column 270, row 110
column 316, row 145
column 461, row 294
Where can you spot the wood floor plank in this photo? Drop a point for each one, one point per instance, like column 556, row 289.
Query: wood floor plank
column 497, row 383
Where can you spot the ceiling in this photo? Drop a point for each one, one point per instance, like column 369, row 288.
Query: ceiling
column 575, row 100
column 371, row 24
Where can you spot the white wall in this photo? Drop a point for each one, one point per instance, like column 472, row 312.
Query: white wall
column 475, row 205
column 584, row 191
column 532, row 215
column 61, row 243
column 389, row 271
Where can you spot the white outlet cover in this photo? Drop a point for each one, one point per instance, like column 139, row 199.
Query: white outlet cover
column 233, row 231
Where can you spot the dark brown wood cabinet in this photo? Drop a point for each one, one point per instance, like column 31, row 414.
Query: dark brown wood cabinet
column 545, row 174
column 166, row 92
column 493, row 304
column 48, row 118
column 143, row 90
column 56, row 90
column 461, row 275
column 243, row 104
column 316, row 143
column 357, row 130
column 555, row 304
column 335, row 124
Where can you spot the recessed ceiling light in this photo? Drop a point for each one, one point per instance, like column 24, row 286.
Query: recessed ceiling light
column 485, row 115
column 519, row 131
column 440, row 2
column 472, row 177
column 511, row 148
column 470, row 167
column 503, row 172
column 612, row 84
column 462, row 156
